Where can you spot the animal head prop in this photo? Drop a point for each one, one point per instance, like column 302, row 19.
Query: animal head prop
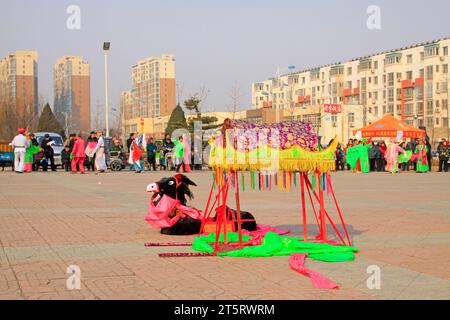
column 176, row 187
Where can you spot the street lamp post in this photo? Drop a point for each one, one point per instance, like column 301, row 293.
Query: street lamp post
column 106, row 46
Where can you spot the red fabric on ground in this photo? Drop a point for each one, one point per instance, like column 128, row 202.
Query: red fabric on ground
column 297, row 263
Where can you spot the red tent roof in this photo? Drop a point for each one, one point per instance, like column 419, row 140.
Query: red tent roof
column 388, row 127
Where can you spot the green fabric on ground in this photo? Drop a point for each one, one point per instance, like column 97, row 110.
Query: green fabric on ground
column 276, row 245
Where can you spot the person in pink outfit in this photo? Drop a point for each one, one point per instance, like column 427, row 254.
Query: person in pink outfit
column 78, row 155
column 187, row 153
column 391, row 156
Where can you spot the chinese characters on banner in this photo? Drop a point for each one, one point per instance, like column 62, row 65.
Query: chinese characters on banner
column 332, row 108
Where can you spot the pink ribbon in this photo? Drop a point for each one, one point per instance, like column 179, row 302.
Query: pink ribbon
column 297, row 263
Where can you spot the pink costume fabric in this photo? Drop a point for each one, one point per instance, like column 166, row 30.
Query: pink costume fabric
column 187, row 154
column 392, row 156
column 79, row 155
column 158, row 216
column 297, row 263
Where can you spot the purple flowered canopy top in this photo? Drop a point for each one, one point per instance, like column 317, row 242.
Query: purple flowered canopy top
column 284, row 135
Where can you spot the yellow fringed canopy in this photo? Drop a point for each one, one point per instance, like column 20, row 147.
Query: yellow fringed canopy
column 294, row 159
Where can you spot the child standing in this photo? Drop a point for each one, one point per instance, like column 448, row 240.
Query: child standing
column 179, row 154
column 65, row 158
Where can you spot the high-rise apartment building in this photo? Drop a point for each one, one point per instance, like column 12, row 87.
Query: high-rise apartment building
column 72, row 97
column 153, row 88
column 19, row 81
column 411, row 83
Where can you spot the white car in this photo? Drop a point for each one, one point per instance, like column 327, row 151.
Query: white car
column 58, row 147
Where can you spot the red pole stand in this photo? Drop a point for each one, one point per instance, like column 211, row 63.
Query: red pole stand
column 308, row 188
column 185, row 254
column 168, row 244
column 305, row 227
column 339, row 211
column 238, row 207
column 308, row 185
column 323, row 229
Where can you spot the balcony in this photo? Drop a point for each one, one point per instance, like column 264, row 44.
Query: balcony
column 351, row 92
column 267, row 104
column 303, row 99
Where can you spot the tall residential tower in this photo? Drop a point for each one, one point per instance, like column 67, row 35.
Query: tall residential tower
column 19, row 81
column 72, row 97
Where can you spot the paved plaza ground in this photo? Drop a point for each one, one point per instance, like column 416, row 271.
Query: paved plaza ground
column 49, row 221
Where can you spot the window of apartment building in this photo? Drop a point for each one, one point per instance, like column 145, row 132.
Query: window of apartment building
column 409, row 108
column 408, row 92
column 375, row 80
column 429, row 73
column 391, row 95
column 409, row 59
column 419, row 107
column 390, row 79
column 430, row 107
column 445, row 49
column 445, row 122
column 375, row 65
column 334, row 120
column 422, row 56
column 420, row 122
column 445, row 68
column 438, row 104
column 421, row 73
column 444, row 104
column 375, row 95
column 437, row 68
column 351, row 119
column 409, row 75
column 349, row 71
column 399, row 109
column 375, row 111
column 431, row 51
column 437, row 122
column 390, row 108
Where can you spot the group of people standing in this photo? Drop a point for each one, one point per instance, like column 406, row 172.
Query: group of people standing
column 78, row 153
column 30, row 155
column 377, row 155
column 172, row 154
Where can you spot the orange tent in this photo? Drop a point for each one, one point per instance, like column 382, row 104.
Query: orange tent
column 389, row 126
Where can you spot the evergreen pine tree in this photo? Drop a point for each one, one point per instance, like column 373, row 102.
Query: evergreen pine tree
column 177, row 120
column 48, row 122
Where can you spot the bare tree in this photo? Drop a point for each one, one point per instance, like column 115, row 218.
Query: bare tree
column 180, row 89
column 235, row 96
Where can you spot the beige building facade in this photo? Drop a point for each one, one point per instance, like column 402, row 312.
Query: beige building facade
column 72, row 93
column 411, row 83
column 19, row 81
column 152, row 93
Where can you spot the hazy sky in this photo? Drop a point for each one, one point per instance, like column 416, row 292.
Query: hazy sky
column 216, row 43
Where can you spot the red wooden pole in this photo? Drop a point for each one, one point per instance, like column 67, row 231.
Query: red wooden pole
column 308, row 185
column 323, row 229
column 238, row 206
column 305, row 227
column 339, row 212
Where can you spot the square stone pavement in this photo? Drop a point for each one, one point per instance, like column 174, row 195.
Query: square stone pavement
column 48, row 221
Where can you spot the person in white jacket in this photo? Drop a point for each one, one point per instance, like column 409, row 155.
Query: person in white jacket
column 100, row 161
column 20, row 144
